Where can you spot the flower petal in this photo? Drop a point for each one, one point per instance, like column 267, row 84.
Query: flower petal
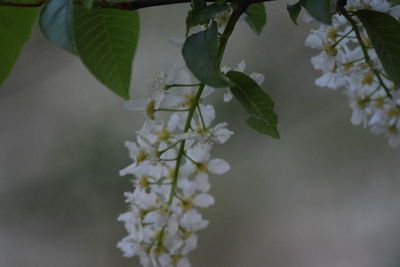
column 218, row 166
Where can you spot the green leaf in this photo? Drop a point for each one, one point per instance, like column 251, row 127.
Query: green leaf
column 15, row 29
column 200, row 53
column 197, row 7
column 88, row 4
column 384, row 32
column 256, row 17
column 257, row 103
column 56, row 23
column 294, row 11
column 210, row 11
column 106, row 41
column 201, row 14
column 320, row 10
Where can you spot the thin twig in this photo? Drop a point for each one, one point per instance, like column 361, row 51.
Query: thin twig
column 127, row 5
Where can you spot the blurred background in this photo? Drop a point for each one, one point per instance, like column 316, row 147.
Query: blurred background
column 327, row 194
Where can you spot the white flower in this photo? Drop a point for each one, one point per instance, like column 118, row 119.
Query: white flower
column 343, row 64
column 193, row 221
column 200, row 154
column 170, row 168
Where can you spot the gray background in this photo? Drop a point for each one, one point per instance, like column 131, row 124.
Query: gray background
column 325, row 195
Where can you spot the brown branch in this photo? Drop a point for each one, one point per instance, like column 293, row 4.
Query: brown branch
column 19, row 4
column 127, row 5
column 138, row 4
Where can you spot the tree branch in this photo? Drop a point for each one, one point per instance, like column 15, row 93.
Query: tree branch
column 127, row 5
column 20, row 4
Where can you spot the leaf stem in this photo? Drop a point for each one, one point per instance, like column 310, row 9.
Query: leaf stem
column 230, row 26
column 181, row 151
column 172, row 110
column 342, row 38
column 169, row 147
column 181, row 85
column 201, row 118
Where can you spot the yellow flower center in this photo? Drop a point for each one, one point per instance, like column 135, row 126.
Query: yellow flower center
column 141, row 156
column 393, row 112
column 362, row 102
column 175, row 258
column 330, row 49
column 331, row 34
column 201, row 167
column 368, row 78
column 150, row 109
column 392, row 128
column 379, row 102
column 188, row 100
column 186, row 204
column 144, row 182
column 163, row 135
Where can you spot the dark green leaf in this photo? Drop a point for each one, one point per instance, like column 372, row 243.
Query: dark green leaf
column 256, row 17
column 294, row 11
column 15, row 29
column 200, row 53
column 88, row 4
column 257, row 103
column 319, row 9
column 56, row 23
column 197, row 7
column 384, row 32
column 202, row 15
column 106, row 41
column 211, row 10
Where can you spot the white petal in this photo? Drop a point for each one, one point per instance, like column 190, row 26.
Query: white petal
column 177, row 41
column 128, row 170
column 314, row 41
column 200, row 153
column 218, row 166
column 228, row 95
column 192, row 220
column 190, row 244
column 203, row 200
column 306, row 17
column 187, row 169
column 132, row 148
column 395, row 11
column 258, row 77
column 173, row 225
column 173, row 122
column 241, row 66
column 225, row 69
column 202, row 182
column 208, row 113
column 164, row 260
column 172, row 101
column 188, row 187
column 183, row 262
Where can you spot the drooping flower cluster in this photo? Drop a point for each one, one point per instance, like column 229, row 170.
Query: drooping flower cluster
column 170, row 169
column 374, row 99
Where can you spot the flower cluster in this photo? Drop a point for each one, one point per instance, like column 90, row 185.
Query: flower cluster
column 352, row 64
column 170, row 169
